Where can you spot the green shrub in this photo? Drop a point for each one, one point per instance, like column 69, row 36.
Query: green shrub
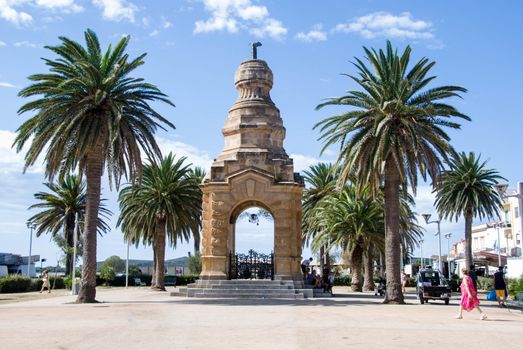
column 119, row 281
column 454, row 283
column 486, row 283
column 195, row 263
column 411, row 282
column 15, row 284
column 36, row 284
column 343, row 280
column 107, row 274
column 514, row 287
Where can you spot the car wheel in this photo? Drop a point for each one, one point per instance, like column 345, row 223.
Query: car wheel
column 447, row 301
column 421, row 300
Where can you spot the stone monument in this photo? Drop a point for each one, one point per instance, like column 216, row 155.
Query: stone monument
column 252, row 170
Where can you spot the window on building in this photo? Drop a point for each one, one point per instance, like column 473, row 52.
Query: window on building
column 507, row 218
column 516, row 212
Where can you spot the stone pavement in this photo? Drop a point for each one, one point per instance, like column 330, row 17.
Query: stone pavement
column 138, row 318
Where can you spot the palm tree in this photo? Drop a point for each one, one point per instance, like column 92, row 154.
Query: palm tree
column 60, row 207
column 353, row 221
column 166, row 203
column 90, row 114
column 467, row 189
column 394, row 132
column 321, row 181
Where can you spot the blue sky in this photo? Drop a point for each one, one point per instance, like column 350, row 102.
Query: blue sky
column 195, row 46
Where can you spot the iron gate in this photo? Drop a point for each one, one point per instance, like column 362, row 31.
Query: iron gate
column 252, row 265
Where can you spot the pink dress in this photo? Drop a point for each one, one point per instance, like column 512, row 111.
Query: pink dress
column 468, row 304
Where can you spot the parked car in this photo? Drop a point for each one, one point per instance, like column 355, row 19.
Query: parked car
column 431, row 285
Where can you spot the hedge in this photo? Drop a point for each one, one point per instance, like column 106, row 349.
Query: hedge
column 21, row 284
column 343, row 280
column 119, row 281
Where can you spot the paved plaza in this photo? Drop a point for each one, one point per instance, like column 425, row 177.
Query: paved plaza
column 138, row 318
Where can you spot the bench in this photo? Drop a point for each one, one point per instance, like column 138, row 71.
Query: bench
column 138, row 282
column 169, row 281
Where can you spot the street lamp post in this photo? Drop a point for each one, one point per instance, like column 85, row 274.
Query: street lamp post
column 497, row 225
column 421, row 247
column 42, row 264
column 427, row 218
column 127, row 268
column 31, row 226
column 447, row 236
column 502, row 189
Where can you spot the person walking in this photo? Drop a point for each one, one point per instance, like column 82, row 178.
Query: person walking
column 469, row 296
column 403, row 281
column 45, row 282
column 500, row 285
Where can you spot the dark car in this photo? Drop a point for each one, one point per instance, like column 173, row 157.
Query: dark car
column 431, row 285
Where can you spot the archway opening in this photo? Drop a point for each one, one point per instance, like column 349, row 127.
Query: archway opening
column 253, row 230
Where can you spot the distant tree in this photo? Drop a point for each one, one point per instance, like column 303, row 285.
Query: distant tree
column 134, row 270
column 114, row 262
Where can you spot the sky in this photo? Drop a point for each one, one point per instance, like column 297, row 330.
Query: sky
column 194, row 47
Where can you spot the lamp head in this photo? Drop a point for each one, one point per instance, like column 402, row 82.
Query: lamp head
column 447, row 235
column 501, row 189
column 426, row 217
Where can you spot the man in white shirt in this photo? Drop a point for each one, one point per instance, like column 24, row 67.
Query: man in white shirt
column 304, row 266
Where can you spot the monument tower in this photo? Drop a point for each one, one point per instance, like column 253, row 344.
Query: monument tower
column 252, row 170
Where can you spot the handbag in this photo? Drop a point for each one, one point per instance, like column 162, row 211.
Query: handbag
column 491, row 295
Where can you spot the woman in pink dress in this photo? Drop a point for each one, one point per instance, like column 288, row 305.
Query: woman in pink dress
column 469, row 297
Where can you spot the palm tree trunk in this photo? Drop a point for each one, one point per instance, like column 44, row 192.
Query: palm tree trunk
column 196, row 235
column 87, row 292
column 155, row 260
column 322, row 257
column 356, row 258
column 468, row 238
column 160, row 257
column 69, row 239
column 393, row 292
column 368, row 279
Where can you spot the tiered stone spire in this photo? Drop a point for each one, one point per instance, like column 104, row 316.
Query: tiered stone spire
column 253, row 130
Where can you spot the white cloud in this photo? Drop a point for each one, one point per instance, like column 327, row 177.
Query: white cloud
column 386, row 25
column 315, row 34
column 235, row 15
column 117, row 10
column 2, row 44
column 270, row 27
column 26, row 44
column 166, row 24
column 154, row 32
column 66, row 6
column 9, row 12
column 6, row 85
column 11, row 161
column 194, row 155
column 303, row 162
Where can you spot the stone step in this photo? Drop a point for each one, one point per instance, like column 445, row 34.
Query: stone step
column 247, row 286
column 244, row 291
column 250, row 296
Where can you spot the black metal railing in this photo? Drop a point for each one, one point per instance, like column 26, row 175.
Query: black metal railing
column 252, row 265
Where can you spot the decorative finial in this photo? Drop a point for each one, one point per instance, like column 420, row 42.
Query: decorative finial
column 255, row 49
